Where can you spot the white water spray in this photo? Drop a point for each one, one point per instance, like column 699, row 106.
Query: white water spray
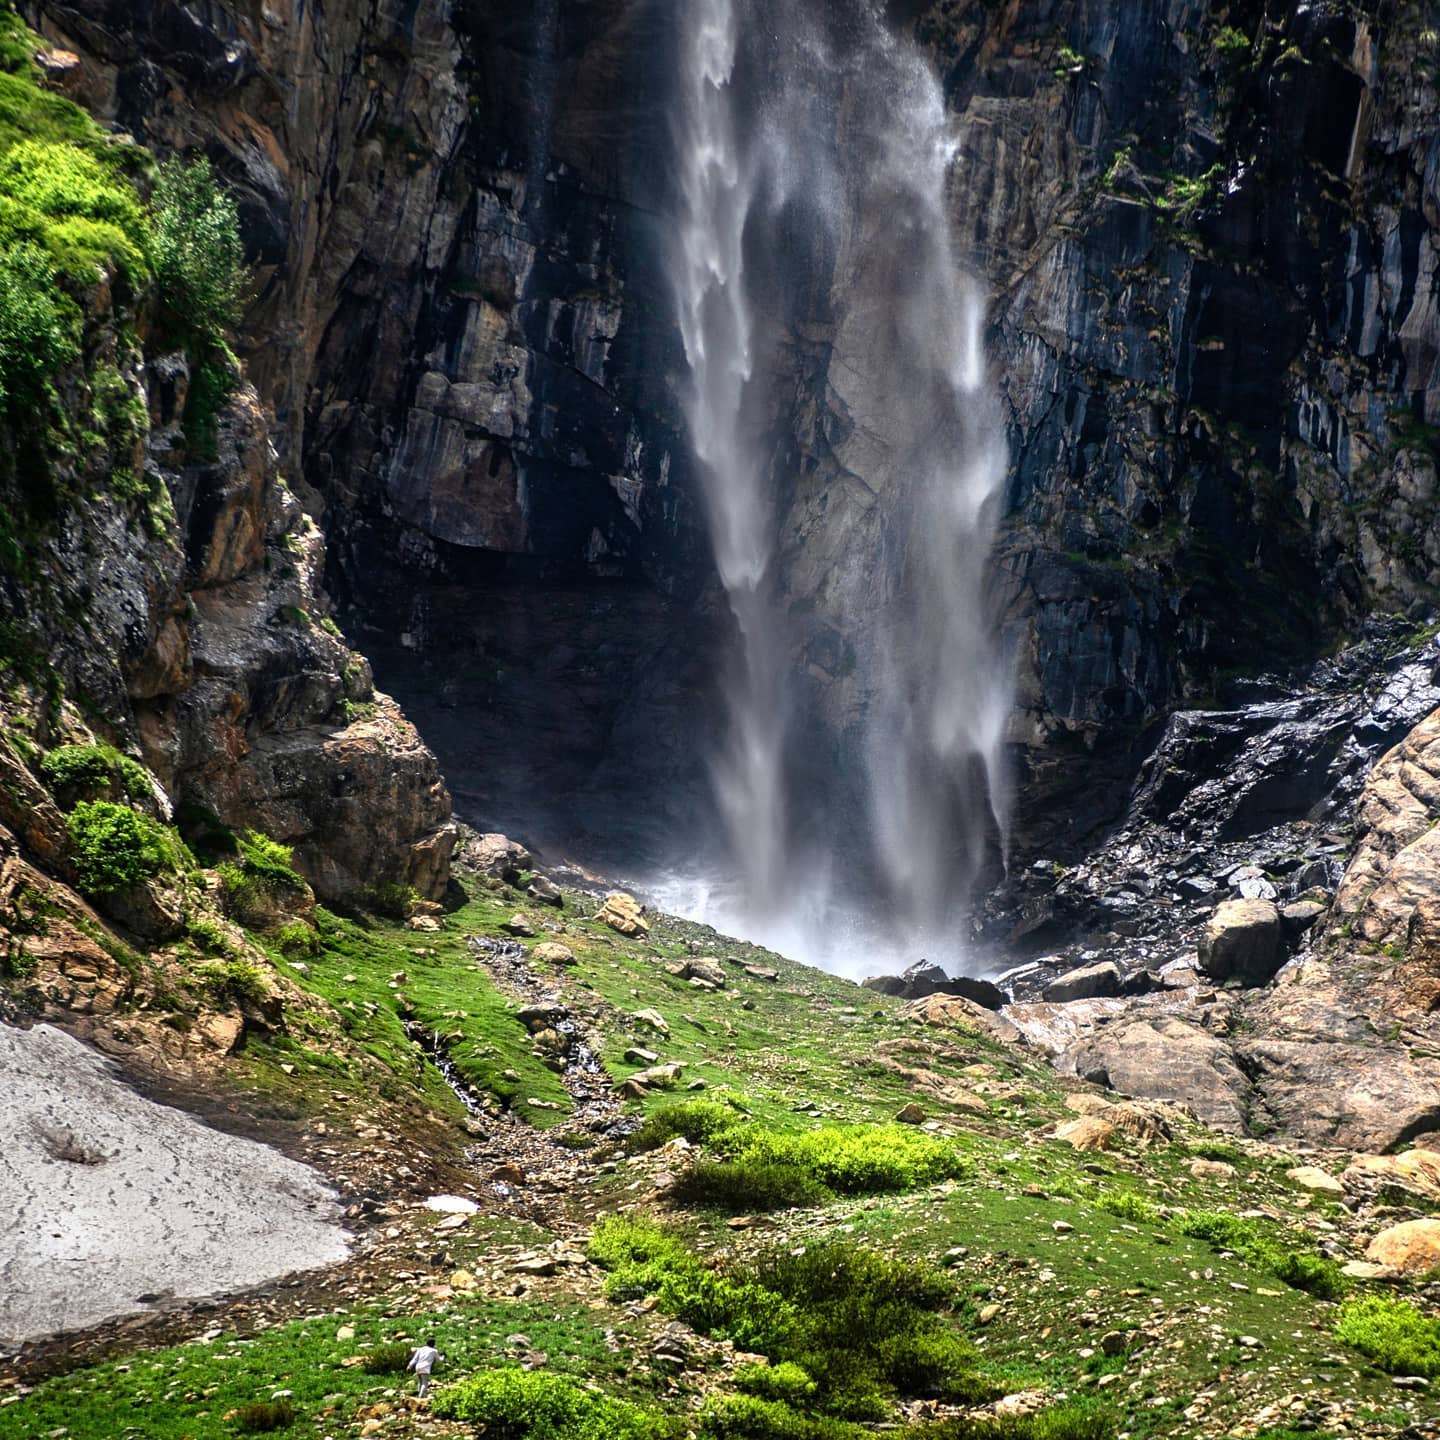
column 842, row 126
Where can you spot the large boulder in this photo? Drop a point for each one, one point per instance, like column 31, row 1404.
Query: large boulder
column 1417, row 1171
column 1162, row 1057
column 958, row 1013
column 1412, row 1248
column 1088, row 983
column 497, row 855
column 624, row 914
column 1243, row 941
column 1363, row 1096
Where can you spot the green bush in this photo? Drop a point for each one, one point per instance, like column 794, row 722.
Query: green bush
column 1317, row 1275
column 298, row 940
column 39, row 327
column 1074, row 1420
column 237, row 980
column 786, row 1382
column 857, row 1159
column 115, row 848
column 513, row 1404
column 749, row 1185
column 265, row 1416
column 845, row 1159
column 861, row 1326
column 753, row 1417
column 93, row 771
column 1393, row 1333
column 196, row 251
column 389, row 1359
column 209, row 935
column 1127, row 1205
column 260, row 881
column 1257, row 1245
column 701, row 1122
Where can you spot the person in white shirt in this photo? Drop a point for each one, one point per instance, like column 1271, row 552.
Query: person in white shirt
column 423, row 1361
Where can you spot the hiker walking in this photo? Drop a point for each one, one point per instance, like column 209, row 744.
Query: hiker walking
column 423, row 1360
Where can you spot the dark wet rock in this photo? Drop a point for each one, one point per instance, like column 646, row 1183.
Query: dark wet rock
column 546, row 892
column 1297, row 917
column 924, row 978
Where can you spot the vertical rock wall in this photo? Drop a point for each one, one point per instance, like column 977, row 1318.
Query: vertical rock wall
column 1210, row 237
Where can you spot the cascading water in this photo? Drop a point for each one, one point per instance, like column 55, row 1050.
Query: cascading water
column 813, row 149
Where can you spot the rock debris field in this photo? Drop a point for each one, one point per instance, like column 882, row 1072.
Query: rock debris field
column 113, row 1203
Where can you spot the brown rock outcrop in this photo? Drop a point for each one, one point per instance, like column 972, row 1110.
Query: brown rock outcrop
column 1412, row 1248
column 1163, row 1057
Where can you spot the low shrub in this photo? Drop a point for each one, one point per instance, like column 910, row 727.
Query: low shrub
column 264, row 1416
column 1127, row 1205
column 514, row 1404
column 237, row 980
column 857, row 1159
column 260, row 883
column 845, row 1159
column 749, row 1185
column 861, row 1328
column 1217, row 1150
column 701, row 1122
column 1257, row 1245
column 1074, row 1420
column 114, row 848
column 786, row 1382
column 1393, row 1333
column 209, row 935
column 753, row 1417
column 388, row 1359
column 298, row 940
column 93, row 772
column 1317, row 1275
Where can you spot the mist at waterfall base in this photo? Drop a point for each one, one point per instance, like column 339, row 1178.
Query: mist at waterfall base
column 812, row 150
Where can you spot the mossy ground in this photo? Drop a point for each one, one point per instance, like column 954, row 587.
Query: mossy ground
column 1029, row 1230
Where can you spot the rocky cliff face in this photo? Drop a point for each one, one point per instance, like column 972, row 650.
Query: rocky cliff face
column 183, row 623
column 1209, row 239
column 1212, row 241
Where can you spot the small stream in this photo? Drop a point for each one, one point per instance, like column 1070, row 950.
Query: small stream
column 434, row 1049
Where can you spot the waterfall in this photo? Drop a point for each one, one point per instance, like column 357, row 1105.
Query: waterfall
column 813, row 150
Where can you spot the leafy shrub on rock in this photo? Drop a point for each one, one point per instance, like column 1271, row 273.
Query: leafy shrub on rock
column 39, row 327
column 114, row 848
column 261, row 885
column 93, row 771
column 196, row 251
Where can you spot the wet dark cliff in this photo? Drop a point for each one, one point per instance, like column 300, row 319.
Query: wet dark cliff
column 1209, row 234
